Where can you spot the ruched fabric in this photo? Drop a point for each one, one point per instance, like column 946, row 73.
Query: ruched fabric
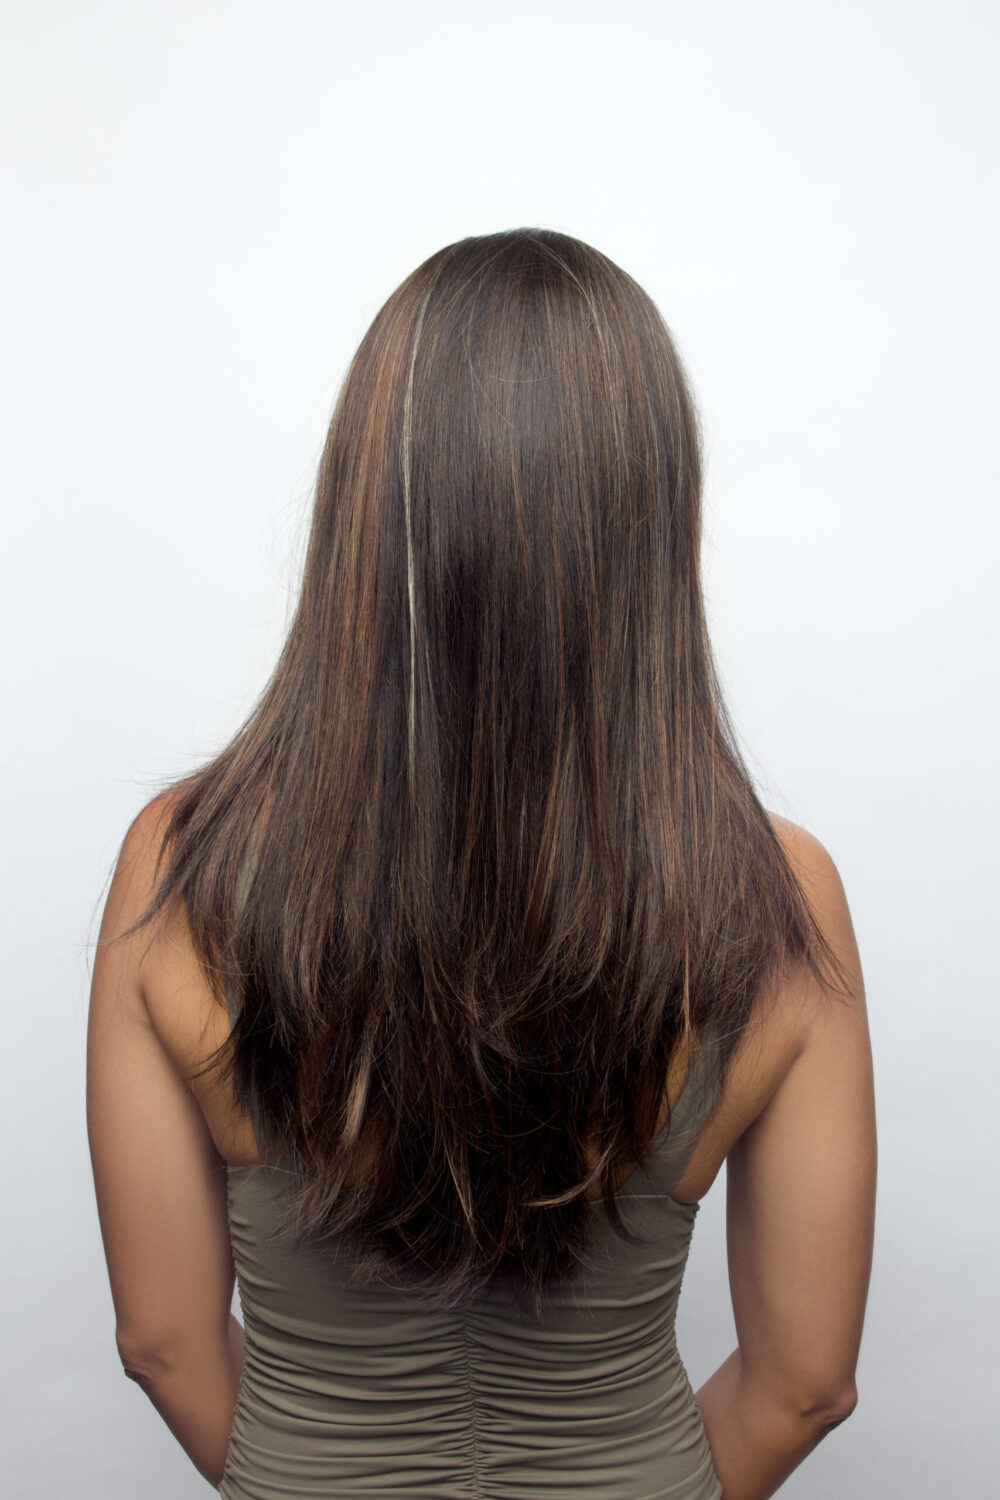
column 369, row 1391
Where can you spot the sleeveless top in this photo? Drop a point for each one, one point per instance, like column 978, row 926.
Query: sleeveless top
column 351, row 1391
column 369, row 1391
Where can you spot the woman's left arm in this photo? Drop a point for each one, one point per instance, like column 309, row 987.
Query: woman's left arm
column 161, row 1190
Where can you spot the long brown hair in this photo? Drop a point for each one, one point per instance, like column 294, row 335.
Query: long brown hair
column 485, row 852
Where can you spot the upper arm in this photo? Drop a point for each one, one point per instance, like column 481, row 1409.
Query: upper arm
column 159, row 1179
column 801, row 1183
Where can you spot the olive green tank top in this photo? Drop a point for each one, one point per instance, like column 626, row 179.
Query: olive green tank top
column 369, row 1391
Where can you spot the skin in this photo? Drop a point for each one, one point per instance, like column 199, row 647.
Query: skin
column 801, row 1182
column 795, row 1125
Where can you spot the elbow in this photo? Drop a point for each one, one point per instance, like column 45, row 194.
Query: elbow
column 140, row 1361
column 833, row 1407
column 805, row 1397
column 135, row 1368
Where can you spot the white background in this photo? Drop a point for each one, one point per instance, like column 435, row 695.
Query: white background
column 204, row 204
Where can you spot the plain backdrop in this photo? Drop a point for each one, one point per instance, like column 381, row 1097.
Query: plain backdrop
column 203, row 206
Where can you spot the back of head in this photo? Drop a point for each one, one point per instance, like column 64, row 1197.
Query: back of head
column 504, row 853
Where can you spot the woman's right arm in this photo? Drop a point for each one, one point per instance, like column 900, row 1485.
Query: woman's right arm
column 800, row 1211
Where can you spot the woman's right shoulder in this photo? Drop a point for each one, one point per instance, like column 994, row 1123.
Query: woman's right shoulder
column 818, row 1029
column 801, row 1175
column 803, row 1002
column 786, row 1022
column 803, row 848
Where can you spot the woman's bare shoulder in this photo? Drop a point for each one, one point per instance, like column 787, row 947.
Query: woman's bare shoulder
column 782, row 1023
column 823, row 888
column 802, row 847
column 185, row 1013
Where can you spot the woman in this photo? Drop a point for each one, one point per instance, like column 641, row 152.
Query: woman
column 438, row 998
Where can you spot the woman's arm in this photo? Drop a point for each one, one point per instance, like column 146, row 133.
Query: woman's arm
column 800, row 1226
column 194, row 1389
column 757, row 1441
column 161, row 1187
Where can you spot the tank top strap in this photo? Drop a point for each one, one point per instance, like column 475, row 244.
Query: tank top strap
column 698, row 1091
column 673, row 1147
